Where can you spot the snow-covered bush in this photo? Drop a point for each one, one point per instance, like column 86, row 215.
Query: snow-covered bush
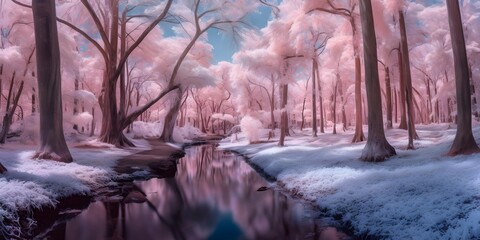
column 251, row 126
column 147, row 129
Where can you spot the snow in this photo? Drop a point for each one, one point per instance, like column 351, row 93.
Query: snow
column 420, row 194
column 30, row 184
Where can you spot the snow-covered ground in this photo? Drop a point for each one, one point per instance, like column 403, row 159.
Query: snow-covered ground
column 30, row 184
column 418, row 194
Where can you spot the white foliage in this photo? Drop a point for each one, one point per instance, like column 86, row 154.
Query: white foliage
column 251, row 127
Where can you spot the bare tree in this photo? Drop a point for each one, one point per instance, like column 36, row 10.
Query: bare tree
column 464, row 143
column 52, row 141
column 377, row 147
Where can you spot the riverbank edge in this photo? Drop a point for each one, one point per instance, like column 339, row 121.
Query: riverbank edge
column 45, row 217
column 346, row 227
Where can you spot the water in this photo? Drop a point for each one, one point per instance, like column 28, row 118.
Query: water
column 214, row 195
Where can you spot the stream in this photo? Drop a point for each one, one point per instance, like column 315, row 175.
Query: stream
column 213, row 195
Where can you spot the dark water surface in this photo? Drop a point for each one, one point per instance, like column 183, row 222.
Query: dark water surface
column 212, row 196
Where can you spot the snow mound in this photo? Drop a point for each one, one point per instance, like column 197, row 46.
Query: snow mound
column 31, row 184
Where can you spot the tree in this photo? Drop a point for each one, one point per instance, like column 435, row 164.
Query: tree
column 349, row 14
column 464, row 143
column 52, row 141
column 377, row 147
column 408, row 80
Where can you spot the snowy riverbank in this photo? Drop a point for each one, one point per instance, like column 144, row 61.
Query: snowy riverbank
column 35, row 184
column 418, row 194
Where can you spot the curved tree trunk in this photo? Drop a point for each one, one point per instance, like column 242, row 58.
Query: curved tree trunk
column 464, row 143
column 171, row 118
column 377, row 147
column 52, row 141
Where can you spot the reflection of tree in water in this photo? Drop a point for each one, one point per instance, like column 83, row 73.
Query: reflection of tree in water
column 226, row 183
column 209, row 185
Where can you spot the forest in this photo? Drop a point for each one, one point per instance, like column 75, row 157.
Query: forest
column 336, row 119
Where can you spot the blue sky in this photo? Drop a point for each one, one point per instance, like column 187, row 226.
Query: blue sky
column 224, row 44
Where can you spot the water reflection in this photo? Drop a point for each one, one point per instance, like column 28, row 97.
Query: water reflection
column 213, row 196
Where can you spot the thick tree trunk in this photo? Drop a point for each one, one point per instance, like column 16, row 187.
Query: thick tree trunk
column 284, row 117
column 377, row 147
column 388, row 90
column 464, row 143
column 358, row 136
column 52, row 140
column 408, row 81
column 171, row 118
column 314, row 101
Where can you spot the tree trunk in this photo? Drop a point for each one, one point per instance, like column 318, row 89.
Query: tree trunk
column 342, row 102
column 320, row 99
column 402, row 98
column 303, row 115
column 52, row 140
column 358, row 136
column 408, row 81
column 388, row 89
column 283, row 118
column 464, row 143
column 314, row 101
column 34, row 102
column 92, row 128
column 334, row 106
column 377, row 147
column 171, row 118
column 75, row 102
column 396, row 104
column 272, row 107
column 10, row 109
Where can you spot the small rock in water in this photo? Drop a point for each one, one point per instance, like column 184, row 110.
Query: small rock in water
column 261, row 189
column 135, row 197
